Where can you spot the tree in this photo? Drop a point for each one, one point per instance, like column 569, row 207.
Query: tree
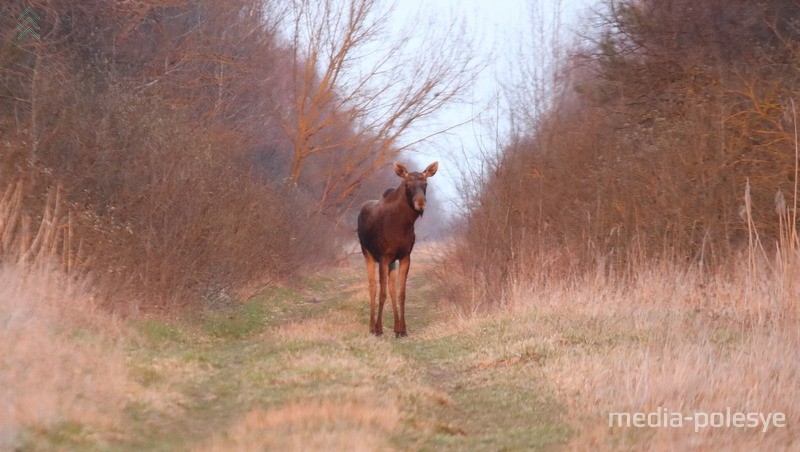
column 358, row 90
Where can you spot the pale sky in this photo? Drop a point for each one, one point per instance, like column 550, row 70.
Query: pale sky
column 502, row 28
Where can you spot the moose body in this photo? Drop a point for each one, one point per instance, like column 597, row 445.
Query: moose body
column 386, row 234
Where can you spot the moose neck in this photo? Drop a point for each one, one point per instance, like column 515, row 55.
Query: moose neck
column 405, row 213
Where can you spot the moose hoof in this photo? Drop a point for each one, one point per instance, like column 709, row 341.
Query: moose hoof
column 400, row 334
column 376, row 332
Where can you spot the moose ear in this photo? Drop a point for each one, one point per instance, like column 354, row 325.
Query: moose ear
column 431, row 169
column 401, row 170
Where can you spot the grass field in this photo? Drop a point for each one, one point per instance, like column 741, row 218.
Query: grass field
column 294, row 368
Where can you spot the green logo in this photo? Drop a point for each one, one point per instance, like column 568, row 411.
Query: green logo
column 28, row 24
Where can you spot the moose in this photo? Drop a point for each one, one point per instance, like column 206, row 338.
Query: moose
column 386, row 234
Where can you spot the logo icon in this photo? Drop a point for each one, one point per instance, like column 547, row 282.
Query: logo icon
column 28, row 24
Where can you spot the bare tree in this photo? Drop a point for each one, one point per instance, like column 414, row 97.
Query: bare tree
column 358, row 88
column 535, row 75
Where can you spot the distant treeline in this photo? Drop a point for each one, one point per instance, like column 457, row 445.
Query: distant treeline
column 662, row 113
column 164, row 132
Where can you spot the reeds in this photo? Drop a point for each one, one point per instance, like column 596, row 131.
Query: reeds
column 60, row 359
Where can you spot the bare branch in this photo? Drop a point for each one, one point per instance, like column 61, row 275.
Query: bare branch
column 360, row 89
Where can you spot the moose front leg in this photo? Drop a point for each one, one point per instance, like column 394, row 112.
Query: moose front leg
column 400, row 327
column 370, row 261
column 383, row 272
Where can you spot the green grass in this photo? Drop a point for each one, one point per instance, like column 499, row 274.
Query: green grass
column 236, row 323
column 286, row 347
column 63, row 435
column 158, row 332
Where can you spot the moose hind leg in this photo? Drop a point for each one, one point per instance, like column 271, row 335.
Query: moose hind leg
column 400, row 327
column 393, row 292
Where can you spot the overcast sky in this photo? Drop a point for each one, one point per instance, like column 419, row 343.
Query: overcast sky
column 501, row 28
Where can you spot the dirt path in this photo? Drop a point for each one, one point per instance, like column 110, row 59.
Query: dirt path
column 297, row 370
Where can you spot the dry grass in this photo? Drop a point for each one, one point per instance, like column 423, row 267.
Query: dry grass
column 351, row 424
column 336, row 326
column 60, row 360
column 665, row 337
column 57, row 363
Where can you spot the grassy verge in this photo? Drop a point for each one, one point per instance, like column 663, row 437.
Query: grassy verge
column 296, row 369
column 668, row 339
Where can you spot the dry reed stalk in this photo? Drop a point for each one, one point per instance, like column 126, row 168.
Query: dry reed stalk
column 48, row 374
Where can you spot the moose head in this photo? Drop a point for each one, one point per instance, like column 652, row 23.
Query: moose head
column 415, row 184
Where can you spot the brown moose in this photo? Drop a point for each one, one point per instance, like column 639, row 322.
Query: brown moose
column 386, row 234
